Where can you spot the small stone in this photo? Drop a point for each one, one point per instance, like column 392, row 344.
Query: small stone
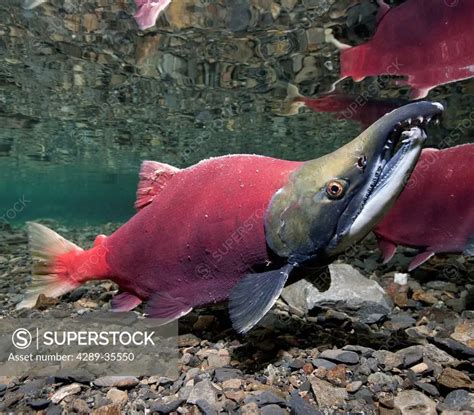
column 353, row 386
column 341, row 356
column 55, row 410
column 250, row 409
column 80, row 406
column 165, row 408
column 411, row 402
column 265, row 398
column 364, row 351
column 420, row 368
column 203, row 390
column 328, row 396
column 337, row 375
column 188, row 340
column 38, row 404
column 112, row 409
column 382, row 382
column 236, row 395
column 273, row 410
column 122, row 382
column 215, row 360
column 411, row 355
column 222, row 374
column 68, row 390
column 232, row 384
column 308, row 368
column 454, row 379
column 297, row 364
column 117, row 396
column 12, row 398
column 388, row 359
column 464, row 333
column 424, row 297
column 428, row 388
column 326, row 364
column 85, row 303
column 205, row 407
column 437, row 355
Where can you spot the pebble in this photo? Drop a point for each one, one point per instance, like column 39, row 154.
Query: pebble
column 353, row 387
column 328, row 396
column 411, row 402
column 273, row 410
column 326, row 364
column 166, row 407
column 117, row 396
column 38, row 404
column 454, row 379
column 65, row 391
column 420, row 368
column 122, row 382
column 265, row 398
column 223, row 374
column 341, row 356
column 204, row 390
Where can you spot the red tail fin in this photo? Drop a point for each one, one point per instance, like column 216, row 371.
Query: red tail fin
column 52, row 259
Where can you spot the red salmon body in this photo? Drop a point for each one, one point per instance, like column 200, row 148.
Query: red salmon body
column 428, row 41
column 435, row 212
column 204, row 223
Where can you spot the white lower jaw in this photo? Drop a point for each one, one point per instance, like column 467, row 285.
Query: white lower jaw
column 385, row 196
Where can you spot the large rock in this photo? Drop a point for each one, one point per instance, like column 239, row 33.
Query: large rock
column 348, row 289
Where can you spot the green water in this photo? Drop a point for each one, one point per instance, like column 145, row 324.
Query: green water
column 85, row 96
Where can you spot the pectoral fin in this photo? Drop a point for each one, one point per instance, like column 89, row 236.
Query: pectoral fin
column 254, row 295
column 421, row 258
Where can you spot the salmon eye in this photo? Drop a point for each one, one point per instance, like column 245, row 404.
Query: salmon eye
column 362, row 162
column 335, row 189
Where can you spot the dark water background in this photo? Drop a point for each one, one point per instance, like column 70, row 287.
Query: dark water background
column 85, row 96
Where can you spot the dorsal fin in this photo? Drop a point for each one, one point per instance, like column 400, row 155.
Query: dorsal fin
column 153, row 178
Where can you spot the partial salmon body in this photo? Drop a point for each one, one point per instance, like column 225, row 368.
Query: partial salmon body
column 148, row 12
column 427, row 41
column 435, row 212
column 181, row 250
column 361, row 109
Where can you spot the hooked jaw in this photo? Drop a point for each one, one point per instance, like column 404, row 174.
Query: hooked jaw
column 395, row 142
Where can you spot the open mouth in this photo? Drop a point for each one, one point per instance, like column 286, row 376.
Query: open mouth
column 405, row 136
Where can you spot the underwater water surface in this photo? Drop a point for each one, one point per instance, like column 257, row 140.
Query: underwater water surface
column 86, row 96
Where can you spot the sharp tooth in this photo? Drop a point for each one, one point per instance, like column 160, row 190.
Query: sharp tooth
column 420, row 119
column 428, row 119
column 436, row 121
column 409, row 121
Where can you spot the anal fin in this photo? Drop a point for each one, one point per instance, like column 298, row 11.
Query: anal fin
column 469, row 249
column 125, row 302
column 254, row 295
column 387, row 248
column 165, row 307
column 421, row 258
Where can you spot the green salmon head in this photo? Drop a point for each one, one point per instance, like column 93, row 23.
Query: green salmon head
column 334, row 201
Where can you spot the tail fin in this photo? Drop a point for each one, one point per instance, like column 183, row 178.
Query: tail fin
column 51, row 273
